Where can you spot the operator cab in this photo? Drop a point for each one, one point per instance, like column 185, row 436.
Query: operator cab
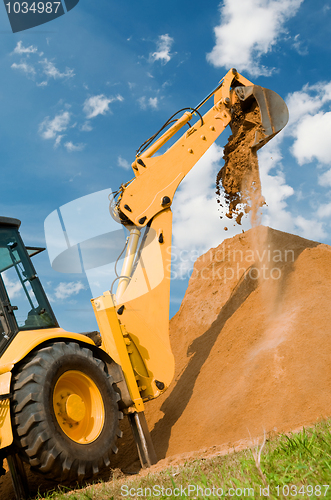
column 23, row 302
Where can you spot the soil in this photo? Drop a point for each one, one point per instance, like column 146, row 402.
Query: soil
column 239, row 178
column 251, row 342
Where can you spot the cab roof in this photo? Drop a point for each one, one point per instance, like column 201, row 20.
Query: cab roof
column 8, row 221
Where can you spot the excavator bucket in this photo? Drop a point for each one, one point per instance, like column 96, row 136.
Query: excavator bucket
column 273, row 111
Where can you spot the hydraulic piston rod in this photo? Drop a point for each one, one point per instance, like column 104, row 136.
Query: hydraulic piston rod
column 128, row 263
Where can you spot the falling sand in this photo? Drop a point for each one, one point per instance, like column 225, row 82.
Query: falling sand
column 239, row 178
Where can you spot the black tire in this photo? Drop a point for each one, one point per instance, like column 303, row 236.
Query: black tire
column 38, row 433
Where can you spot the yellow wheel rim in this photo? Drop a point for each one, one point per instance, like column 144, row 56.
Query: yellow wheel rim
column 78, row 407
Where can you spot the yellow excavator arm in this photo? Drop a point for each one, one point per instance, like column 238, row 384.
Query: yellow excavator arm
column 134, row 323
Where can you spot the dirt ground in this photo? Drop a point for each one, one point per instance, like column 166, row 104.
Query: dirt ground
column 251, row 342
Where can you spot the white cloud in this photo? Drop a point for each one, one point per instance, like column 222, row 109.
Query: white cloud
column 297, row 45
column 86, row 127
column 19, row 49
column 28, row 69
column 310, row 123
column 99, row 105
column 142, row 102
column 50, row 70
column 48, row 67
column 65, row 290
column 13, row 287
column 274, row 187
column 309, row 101
column 301, row 103
column 310, row 229
column 151, row 102
column 248, row 30
column 121, row 162
column 49, row 129
column 58, row 140
column 324, row 210
column 325, row 179
column 313, row 139
column 163, row 47
column 276, row 192
column 308, row 126
column 74, row 147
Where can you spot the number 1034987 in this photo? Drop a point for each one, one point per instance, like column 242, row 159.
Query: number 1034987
column 305, row 490
column 34, row 8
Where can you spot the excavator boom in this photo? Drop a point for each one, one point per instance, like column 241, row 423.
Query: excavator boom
column 158, row 177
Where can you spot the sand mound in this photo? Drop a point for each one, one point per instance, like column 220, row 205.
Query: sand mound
column 251, row 354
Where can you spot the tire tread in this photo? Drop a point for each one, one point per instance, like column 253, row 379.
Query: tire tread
column 32, row 436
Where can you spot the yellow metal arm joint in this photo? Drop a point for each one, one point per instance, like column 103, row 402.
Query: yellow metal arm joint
column 158, row 177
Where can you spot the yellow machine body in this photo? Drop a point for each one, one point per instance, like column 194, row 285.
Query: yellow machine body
column 6, row 434
column 135, row 327
column 134, row 323
column 138, row 338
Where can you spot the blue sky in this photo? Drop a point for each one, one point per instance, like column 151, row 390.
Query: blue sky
column 80, row 94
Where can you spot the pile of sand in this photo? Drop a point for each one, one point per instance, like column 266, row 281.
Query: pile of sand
column 251, row 354
column 251, row 343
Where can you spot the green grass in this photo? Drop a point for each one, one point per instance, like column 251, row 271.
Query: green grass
column 289, row 466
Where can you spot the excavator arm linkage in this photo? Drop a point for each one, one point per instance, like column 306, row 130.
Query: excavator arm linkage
column 134, row 324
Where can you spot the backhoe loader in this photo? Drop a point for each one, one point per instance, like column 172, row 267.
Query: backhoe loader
column 62, row 395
